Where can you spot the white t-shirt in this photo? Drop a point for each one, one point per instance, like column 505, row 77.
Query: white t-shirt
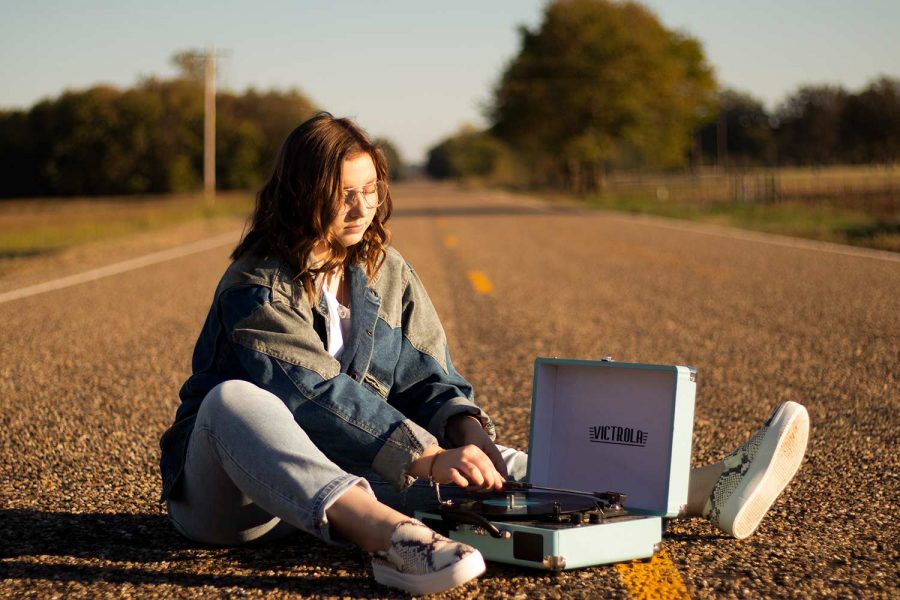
column 338, row 324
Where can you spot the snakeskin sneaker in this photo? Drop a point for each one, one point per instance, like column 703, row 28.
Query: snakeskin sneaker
column 757, row 472
column 421, row 561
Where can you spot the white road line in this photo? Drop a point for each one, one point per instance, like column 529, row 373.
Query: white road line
column 121, row 267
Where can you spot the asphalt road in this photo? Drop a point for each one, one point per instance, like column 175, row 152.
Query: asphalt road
column 89, row 374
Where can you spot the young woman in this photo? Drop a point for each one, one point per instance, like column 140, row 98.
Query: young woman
column 322, row 388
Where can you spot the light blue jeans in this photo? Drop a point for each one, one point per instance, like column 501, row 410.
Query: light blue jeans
column 252, row 473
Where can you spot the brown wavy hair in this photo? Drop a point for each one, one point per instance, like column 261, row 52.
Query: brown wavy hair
column 301, row 198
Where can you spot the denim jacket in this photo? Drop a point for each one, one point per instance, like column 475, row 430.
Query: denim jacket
column 376, row 409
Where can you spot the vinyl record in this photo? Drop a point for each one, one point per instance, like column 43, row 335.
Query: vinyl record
column 531, row 504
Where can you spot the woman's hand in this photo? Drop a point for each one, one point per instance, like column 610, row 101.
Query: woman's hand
column 464, row 466
column 465, row 429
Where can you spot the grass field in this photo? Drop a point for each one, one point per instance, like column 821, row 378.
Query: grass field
column 824, row 222
column 850, row 205
column 858, row 205
column 34, row 227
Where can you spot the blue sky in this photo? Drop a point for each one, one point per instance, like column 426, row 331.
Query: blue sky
column 414, row 71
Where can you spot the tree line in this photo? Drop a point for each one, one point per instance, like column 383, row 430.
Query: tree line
column 815, row 125
column 598, row 86
column 601, row 86
column 145, row 140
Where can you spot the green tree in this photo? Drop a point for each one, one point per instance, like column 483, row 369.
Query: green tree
column 239, row 148
column 438, row 164
column 749, row 135
column 176, row 147
column 133, row 168
column 275, row 114
column 90, row 153
column 870, row 123
column 472, row 154
column 392, row 155
column 809, row 125
column 19, row 160
column 146, row 139
column 598, row 85
column 190, row 64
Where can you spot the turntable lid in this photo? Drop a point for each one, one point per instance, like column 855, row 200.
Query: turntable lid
column 610, row 426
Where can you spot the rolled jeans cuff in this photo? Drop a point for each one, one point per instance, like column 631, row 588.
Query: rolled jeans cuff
column 405, row 444
column 459, row 406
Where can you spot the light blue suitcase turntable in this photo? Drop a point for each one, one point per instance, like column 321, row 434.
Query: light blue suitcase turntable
column 602, row 429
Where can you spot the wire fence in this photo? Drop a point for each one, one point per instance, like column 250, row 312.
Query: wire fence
column 870, row 188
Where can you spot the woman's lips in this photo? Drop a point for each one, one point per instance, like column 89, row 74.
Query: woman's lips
column 355, row 228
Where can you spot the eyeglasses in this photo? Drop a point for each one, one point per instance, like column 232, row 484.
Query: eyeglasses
column 373, row 195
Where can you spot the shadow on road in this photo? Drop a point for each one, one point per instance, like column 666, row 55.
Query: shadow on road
column 25, row 253
column 287, row 583
column 144, row 549
column 484, row 211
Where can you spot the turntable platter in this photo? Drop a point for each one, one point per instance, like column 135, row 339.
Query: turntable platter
column 531, row 504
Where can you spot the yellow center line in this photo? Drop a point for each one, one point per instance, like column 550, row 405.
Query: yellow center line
column 480, row 282
column 451, row 241
column 652, row 579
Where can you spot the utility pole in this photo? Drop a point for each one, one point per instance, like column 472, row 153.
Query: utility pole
column 208, row 59
column 209, row 126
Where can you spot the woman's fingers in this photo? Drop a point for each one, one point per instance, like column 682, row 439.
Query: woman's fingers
column 484, row 474
column 466, row 466
column 474, row 475
column 498, row 477
column 493, row 453
column 450, row 467
column 484, row 471
column 457, row 478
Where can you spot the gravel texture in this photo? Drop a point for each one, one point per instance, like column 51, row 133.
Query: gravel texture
column 89, row 375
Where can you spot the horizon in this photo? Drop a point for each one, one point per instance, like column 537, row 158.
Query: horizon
column 420, row 83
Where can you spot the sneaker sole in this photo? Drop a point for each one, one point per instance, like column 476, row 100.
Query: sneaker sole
column 785, row 444
column 470, row 567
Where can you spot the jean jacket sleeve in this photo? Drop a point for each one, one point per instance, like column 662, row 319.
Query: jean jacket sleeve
column 276, row 343
column 427, row 387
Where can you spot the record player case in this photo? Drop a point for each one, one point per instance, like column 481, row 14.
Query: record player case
column 596, row 426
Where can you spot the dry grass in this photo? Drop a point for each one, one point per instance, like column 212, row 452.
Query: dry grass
column 42, row 226
column 838, row 204
column 858, row 205
column 826, row 221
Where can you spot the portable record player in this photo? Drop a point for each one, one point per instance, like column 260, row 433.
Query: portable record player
column 595, row 426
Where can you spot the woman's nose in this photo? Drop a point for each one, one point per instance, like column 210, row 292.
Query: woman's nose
column 359, row 205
